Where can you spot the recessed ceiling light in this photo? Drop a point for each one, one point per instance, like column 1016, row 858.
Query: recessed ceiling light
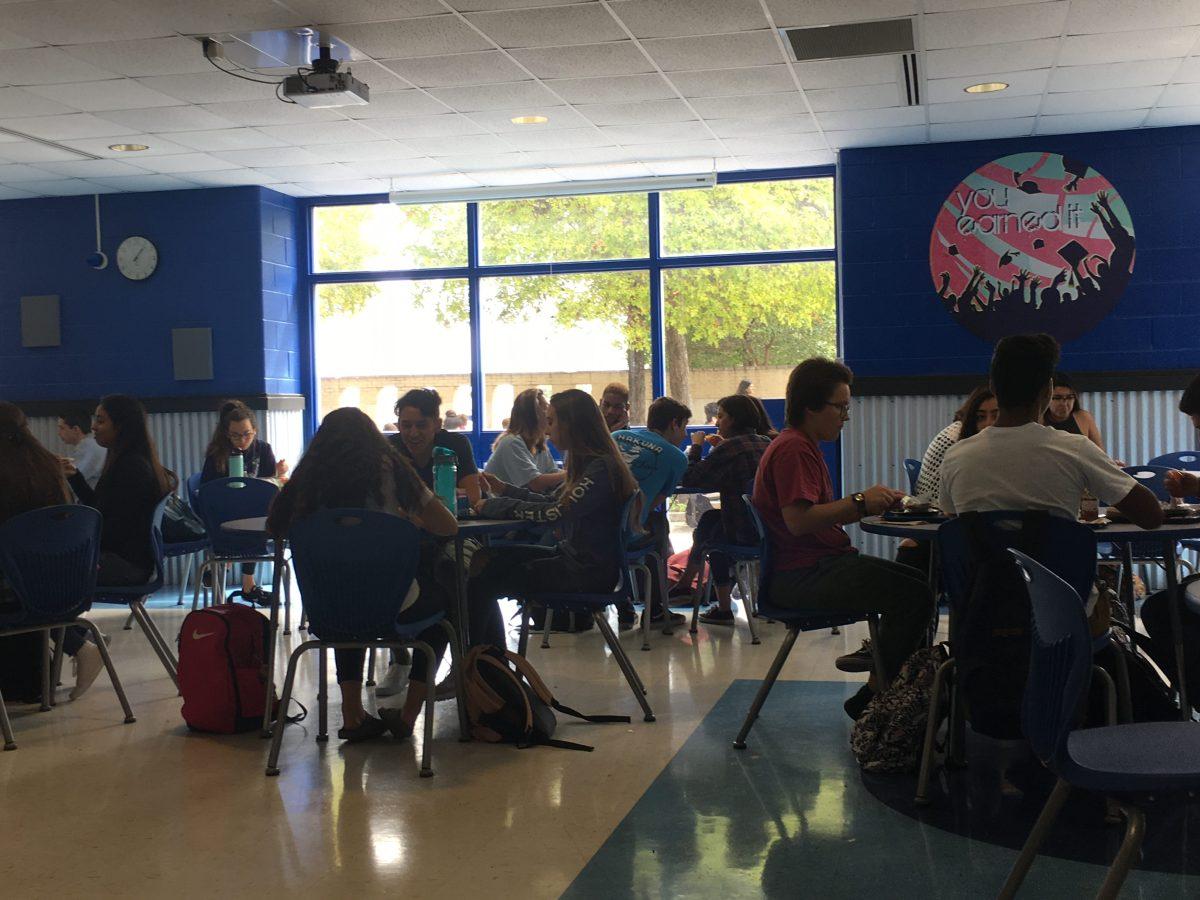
column 128, row 148
column 529, row 120
column 987, row 87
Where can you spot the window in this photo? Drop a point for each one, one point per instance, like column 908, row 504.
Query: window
column 565, row 331
column 729, row 324
column 563, row 229
column 377, row 339
column 750, row 217
column 379, row 236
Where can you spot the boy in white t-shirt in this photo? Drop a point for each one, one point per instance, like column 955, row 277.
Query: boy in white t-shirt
column 1019, row 464
column 75, row 430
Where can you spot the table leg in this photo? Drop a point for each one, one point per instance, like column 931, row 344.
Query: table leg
column 274, row 640
column 462, row 625
column 1174, row 602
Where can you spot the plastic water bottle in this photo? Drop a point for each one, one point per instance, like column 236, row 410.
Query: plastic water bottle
column 237, row 465
column 445, row 477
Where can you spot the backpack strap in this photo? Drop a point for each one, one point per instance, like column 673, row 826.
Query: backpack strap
column 481, row 698
column 489, row 659
column 525, row 669
column 565, row 745
column 566, row 710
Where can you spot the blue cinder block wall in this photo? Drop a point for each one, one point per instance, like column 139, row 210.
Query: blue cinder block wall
column 892, row 320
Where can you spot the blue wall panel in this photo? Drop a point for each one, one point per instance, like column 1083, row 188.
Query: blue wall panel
column 281, row 314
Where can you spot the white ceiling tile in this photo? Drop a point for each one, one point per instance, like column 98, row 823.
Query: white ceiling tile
column 677, row 18
column 853, row 120
column 613, row 89
column 223, row 139
column 648, row 134
column 1108, row 120
column 91, row 168
column 785, row 160
column 951, row 90
column 1158, row 43
column 378, row 78
column 72, row 125
column 602, row 172
column 20, row 102
column 719, row 51
column 675, row 150
column 47, row 65
column 323, row 172
column 529, row 175
column 408, row 38
column 984, row 26
column 31, row 152
column 1113, row 75
column 425, row 126
column 877, row 137
column 393, row 168
column 321, row 12
column 482, row 5
column 789, row 104
column 558, row 140
column 867, row 96
column 15, row 174
column 646, row 112
column 269, row 157
column 1174, row 115
column 207, row 87
column 468, row 162
column 368, row 152
column 990, row 129
column 731, row 128
column 154, row 56
column 778, row 143
column 1096, row 16
column 833, row 73
column 463, row 68
column 156, row 144
column 557, row 117
column 231, row 178
column 434, row 181
column 398, row 104
column 1189, row 72
column 295, row 190
column 66, row 187
column 271, row 112
column 614, row 58
column 474, row 144
column 146, row 182
column 932, row 6
column 336, row 188
column 98, row 96
column 788, row 13
column 684, row 165
column 491, row 97
column 979, row 60
column 214, row 16
column 1180, row 95
column 342, row 132
column 1100, row 101
column 733, row 82
column 10, row 193
column 592, row 156
column 979, row 109
column 555, row 26
column 183, row 163
column 79, row 21
column 166, row 118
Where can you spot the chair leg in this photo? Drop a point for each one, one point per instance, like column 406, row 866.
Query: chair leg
column 286, row 576
column 1135, row 830
column 205, row 566
column 47, row 666
column 546, row 628
column 157, row 642
column 10, row 742
column 460, row 681
column 631, row 572
column 881, row 672
column 931, row 727
column 697, row 594
column 187, row 573
column 760, row 698
column 1110, row 694
column 743, row 580
column 430, row 698
column 835, row 630
column 1041, row 828
column 623, row 661
column 523, row 634
column 108, row 664
column 1124, row 691
column 660, row 573
column 128, row 626
column 322, row 696
column 370, row 682
column 285, row 701
column 56, row 674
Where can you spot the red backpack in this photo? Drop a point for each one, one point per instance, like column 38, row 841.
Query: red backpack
column 223, row 668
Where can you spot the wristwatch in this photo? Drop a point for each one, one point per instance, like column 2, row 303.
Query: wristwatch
column 860, row 501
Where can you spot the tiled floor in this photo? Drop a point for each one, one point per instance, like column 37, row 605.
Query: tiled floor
column 92, row 806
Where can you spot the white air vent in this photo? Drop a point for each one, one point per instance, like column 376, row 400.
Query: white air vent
column 890, row 37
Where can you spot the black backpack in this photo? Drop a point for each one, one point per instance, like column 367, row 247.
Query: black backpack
column 1156, row 616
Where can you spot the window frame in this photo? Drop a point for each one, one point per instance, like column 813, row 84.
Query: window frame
column 474, row 272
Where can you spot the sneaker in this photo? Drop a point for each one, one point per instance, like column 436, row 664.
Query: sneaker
column 659, row 619
column 369, row 727
column 626, row 618
column 257, row 595
column 88, row 663
column 714, row 615
column 860, row 660
column 447, row 689
column 392, row 683
column 857, row 704
column 395, row 723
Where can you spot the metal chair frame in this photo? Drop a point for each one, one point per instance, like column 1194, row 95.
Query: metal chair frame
column 746, row 568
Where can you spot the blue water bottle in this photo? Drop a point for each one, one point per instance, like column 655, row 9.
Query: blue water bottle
column 445, row 477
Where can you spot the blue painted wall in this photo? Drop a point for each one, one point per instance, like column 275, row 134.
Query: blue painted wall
column 227, row 260
column 892, row 320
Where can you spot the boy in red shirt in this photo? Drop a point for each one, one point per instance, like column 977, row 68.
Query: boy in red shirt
column 814, row 565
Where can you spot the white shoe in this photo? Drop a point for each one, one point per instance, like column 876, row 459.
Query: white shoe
column 392, row 683
column 88, row 663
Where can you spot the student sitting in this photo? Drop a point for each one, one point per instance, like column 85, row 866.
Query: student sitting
column 614, row 406
column 31, row 477
column 237, row 434
column 350, row 464
column 75, row 430
column 520, row 456
column 729, row 468
column 419, row 425
column 654, row 458
column 586, row 508
column 815, row 567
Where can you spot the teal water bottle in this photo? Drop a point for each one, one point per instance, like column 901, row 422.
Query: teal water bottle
column 237, row 465
column 445, row 477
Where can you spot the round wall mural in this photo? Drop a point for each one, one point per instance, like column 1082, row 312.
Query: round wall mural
column 1032, row 242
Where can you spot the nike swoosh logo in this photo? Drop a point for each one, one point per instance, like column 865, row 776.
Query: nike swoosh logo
column 196, row 635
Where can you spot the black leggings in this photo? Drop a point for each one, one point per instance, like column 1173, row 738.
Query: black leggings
column 710, row 531
column 349, row 663
column 114, row 571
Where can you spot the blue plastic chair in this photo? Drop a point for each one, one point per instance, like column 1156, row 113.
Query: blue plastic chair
column 354, row 568
column 135, row 596
column 913, row 468
column 48, row 557
column 796, row 621
column 595, row 605
column 190, row 549
column 746, row 557
column 1121, row 760
column 641, row 555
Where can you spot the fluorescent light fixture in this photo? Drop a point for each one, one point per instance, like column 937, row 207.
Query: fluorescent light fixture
column 556, row 189
column 128, row 148
column 529, row 120
column 986, row 87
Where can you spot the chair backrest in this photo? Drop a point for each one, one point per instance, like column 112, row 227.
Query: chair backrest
column 49, row 558
column 1152, row 477
column 193, row 491
column 913, row 468
column 631, row 519
column 226, row 499
column 1060, row 662
column 764, row 551
column 1187, row 460
column 354, row 568
column 1066, row 547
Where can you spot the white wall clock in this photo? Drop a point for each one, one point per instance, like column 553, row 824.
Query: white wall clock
column 137, row 258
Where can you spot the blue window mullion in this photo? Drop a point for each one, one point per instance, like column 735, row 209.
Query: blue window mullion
column 475, row 318
column 658, row 359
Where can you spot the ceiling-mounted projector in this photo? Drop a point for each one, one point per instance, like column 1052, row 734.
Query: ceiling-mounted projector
column 324, row 89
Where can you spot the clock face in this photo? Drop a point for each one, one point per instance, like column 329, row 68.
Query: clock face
column 137, row 258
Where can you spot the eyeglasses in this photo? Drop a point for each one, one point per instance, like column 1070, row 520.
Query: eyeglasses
column 843, row 408
column 604, row 404
column 1062, row 398
column 239, row 435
